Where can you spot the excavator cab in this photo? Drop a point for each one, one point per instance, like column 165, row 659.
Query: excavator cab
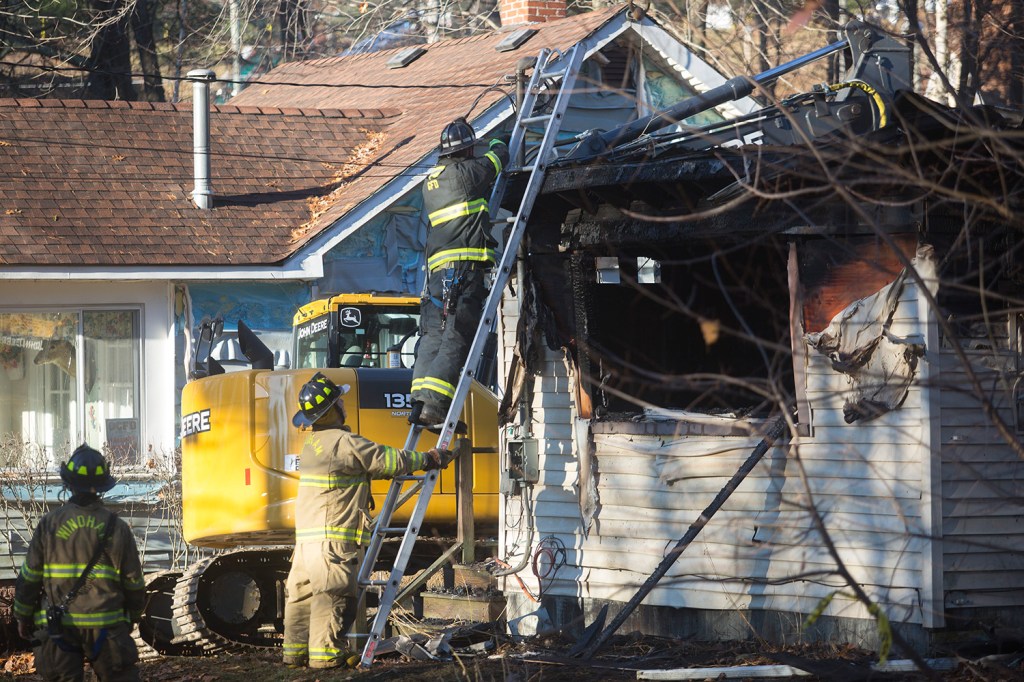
column 357, row 330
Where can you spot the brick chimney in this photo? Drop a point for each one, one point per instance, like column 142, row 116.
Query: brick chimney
column 527, row 11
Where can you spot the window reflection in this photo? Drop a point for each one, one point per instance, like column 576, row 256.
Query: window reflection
column 68, row 377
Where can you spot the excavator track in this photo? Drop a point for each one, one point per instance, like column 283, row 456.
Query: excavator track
column 157, row 629
column 232, row 601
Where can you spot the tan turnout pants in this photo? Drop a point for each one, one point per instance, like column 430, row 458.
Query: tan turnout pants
column 321, row 604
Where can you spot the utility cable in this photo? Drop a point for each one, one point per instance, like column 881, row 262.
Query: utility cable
column 229, row 81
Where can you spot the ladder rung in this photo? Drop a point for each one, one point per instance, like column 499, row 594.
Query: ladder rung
column 393, row 530
column 554, row 74
column 410, row 477
column 534, row 119
column 373, row 583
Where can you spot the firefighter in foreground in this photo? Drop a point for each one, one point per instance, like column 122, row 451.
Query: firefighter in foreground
column 460, row 253
column 331, row 515
column 81, row 586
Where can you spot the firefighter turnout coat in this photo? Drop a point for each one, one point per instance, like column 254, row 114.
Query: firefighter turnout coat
column 63, row 544
column 335, row 469
column 455, row 196
column 331, row 525
column 98, row 620
column 460, row 250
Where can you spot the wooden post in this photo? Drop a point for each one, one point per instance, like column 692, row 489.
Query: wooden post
column 464, row 498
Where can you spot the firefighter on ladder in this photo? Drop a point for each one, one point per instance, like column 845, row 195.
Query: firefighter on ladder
column 83, row 561
column 331, row 514
column 460, row 252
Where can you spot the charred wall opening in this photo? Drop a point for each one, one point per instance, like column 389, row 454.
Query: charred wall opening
column 982, row 291
column 710, row 335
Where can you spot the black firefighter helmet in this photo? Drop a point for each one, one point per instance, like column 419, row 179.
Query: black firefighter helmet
column 87, row 471
column 457, row 136
column 316, row 397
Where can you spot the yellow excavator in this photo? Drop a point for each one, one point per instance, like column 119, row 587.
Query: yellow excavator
column 240, row 464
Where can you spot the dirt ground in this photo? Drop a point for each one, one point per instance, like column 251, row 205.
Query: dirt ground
column 545, row 660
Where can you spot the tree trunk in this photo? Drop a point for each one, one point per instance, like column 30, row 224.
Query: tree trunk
column 291, row 17
column 145, row 42
column 835, row 66
column 934, row 88
column 761, row 40
column 914, row 29
column 1015, row 87
column 110, row 60
column 701, row 23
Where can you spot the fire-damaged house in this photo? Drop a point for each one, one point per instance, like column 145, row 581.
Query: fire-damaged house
column 857, row 273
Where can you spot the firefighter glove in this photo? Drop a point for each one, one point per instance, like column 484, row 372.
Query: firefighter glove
column 438, row 458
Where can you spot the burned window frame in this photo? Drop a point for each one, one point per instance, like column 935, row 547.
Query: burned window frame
column 590, row 304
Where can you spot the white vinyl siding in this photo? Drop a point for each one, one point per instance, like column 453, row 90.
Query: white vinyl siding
column 982, row 480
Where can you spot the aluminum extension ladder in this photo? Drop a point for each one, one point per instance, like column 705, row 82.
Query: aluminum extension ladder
column 550, row 65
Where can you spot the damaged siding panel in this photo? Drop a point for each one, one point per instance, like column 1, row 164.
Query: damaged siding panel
column 885, row 455
column 608, row 584
column 869, row 549
column 704, row 571
column 835, row 274
column 982, row 508
column 867, row 360
column 756, row 536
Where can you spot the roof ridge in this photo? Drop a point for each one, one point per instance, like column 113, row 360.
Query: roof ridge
column 186, row 107
column 459, row 40
column 332, row 112
column 31, row 103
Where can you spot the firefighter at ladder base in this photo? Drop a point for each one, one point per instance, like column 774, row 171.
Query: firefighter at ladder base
column 331, row 519
column 84, row 561
column 460, row 253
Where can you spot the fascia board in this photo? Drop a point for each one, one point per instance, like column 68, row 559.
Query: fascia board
column 605, row 34
column 171, row 273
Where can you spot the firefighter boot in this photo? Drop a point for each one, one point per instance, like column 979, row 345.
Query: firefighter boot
column 431, row 417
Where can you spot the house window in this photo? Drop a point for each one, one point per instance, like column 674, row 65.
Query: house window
column 707, row 330
column 68, row 377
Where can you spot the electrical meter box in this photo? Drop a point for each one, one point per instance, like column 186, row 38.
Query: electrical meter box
column 521, row 460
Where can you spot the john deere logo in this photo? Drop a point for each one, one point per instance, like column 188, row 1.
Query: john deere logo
column 351, row 317
column 196, row 422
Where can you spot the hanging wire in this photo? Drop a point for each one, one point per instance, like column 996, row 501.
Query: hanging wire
column 548, row 558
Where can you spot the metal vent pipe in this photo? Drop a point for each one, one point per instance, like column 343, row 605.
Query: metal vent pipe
column 202, row 192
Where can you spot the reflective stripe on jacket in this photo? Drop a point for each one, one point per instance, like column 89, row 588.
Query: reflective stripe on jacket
column 61, row 547
column 336, row 466
column 455, row 196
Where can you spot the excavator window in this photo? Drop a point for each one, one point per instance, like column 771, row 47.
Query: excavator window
column 364, row 335
column 311, row 343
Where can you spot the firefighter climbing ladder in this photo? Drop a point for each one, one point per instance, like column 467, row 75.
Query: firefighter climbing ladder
column 551, row 65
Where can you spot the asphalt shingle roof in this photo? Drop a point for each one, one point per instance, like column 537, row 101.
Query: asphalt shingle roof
column 97, row 183
column 109, row 183
column 431, row 91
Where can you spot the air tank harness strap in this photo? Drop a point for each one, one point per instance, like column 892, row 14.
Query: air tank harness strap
column 98, row 645
column 451, row 287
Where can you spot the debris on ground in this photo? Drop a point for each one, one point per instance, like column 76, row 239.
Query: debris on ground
column 482, row 652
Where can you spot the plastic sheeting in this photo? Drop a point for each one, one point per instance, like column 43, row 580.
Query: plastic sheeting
column 386, row 254
column 264, row 306
column 880, row 365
